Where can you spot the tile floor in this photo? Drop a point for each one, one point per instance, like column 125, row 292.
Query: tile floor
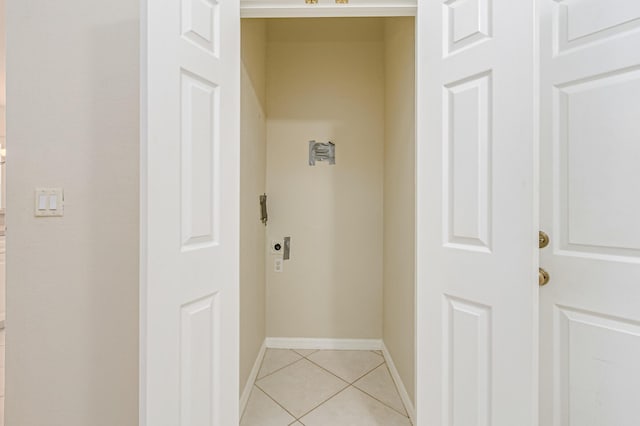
column 321, row 388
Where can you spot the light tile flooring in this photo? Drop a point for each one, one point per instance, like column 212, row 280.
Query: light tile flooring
column 322, row 388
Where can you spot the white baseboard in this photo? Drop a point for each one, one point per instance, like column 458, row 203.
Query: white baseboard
column 408, row 405
column 246, row 392
column 336, row 344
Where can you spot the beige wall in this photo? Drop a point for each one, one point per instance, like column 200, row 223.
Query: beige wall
column 253, row 146
column 325, row 81
column 254, row 55
column 73, row 122
column 399, row 198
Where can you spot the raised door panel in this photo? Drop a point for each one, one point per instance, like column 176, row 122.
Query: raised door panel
column 200, row 362
column 466, row 22
column 467, row 358
column 201, row 24
column 582, row 22
column 467, row 164
column 596, row 133
column 598, row 356
column 199, row 161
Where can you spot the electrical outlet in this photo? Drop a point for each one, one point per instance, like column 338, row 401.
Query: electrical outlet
column 277, row 265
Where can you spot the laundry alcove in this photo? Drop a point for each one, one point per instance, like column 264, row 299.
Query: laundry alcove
column 350, row 280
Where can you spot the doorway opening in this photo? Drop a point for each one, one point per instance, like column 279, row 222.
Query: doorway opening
column 348, row 284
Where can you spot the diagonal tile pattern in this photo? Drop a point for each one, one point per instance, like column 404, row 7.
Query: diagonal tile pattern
column 305, row 352
column 317, row 388
column 354, row 408
column 379, row 385
column 301, row 386
column 263, row 411
column 348, row 365
column 275, row 359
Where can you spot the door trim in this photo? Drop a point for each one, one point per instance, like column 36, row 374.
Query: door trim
column 326, row 8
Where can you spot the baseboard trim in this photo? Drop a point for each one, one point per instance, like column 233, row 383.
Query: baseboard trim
column 246, row 392
column 310, row 343
column 408, row 405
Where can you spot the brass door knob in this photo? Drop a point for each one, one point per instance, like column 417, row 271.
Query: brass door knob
column 543, row 239
column 543, row 277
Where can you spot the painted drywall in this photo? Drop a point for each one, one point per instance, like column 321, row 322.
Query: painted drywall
column 73, row 122
column 325, row 81
column 254, row 55
column 253, row 146
column 399, row 198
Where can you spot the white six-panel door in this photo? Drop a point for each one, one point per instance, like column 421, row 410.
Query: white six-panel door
column 190, row 209
column 476, row 243
column 590, row 204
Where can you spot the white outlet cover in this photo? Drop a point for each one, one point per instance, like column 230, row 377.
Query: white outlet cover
column 278, row 265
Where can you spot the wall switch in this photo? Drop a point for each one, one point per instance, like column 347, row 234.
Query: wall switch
column 49, row 202
column 277, row 265
column 42, row 202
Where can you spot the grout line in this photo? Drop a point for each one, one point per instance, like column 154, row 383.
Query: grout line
column 352, row 384
column 324, row 402
column 273, row 399
column 298, row 418
column 395, row 386
column 399, row 384
column 330, row 372
column 281, row 368
column 382, row 402
column 304, row 356
column 341, row 378
column 367, row 372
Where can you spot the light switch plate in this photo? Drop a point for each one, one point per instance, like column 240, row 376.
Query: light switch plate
column 49, row 202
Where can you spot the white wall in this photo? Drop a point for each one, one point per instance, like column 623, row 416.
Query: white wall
column 253, row 146
column 399, row 198
column 325, row 81
column 73, row 122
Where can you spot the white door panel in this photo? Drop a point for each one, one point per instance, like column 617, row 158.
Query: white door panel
column 477, row 255
column 190, row 209
column 590, row 181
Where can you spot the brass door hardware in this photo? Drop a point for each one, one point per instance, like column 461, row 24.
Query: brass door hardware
column 543, row 277
column 543, row 239
column 311, row 1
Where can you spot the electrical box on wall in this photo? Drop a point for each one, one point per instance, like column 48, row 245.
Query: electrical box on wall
column 276, row 246
column 49, row 202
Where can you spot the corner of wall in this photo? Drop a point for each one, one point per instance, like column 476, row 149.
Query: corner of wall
column 252, row 185
column 399, row 204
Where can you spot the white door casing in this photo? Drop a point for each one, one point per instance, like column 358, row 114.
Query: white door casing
column 477, row 323
column 189, row 213
column 590, row 207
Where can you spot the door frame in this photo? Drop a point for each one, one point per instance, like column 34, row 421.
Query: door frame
column 354, row 8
